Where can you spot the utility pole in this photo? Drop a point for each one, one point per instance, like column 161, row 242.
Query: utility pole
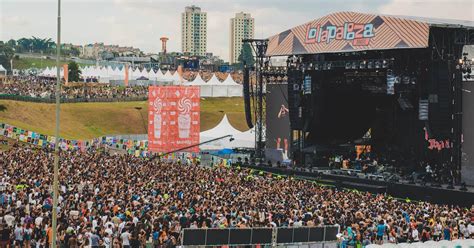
column 56, row 133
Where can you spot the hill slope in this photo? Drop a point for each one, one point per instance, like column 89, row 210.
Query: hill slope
column 90, row 120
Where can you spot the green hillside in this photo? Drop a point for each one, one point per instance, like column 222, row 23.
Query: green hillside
column 89, row 120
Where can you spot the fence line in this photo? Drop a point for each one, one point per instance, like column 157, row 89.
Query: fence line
column 70, row 100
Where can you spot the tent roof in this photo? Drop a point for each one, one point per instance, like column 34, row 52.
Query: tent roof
column 177, row 78
column 197, row 81
column 214, row 80
column 223, row 128
column 241, row 139
column 229, row 80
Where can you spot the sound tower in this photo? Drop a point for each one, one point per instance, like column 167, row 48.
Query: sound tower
column 246, row 88
column 440, row 110
column 295, row 79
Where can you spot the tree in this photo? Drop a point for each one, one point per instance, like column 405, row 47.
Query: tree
column 246, row 55
column 74, row 72
column 12, row 43
column 24, row 44
column 6, row 55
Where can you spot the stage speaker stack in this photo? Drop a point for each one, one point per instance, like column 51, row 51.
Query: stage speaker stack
column 294, row 99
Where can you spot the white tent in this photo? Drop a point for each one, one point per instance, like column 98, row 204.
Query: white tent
column 218, row 89
column 214, row 80
column 241, row 139
column 160, row 73
column 229, row 80
column 247, row 138
column 198, row 81
column 42, row 73
column 149, row 74
column 3, row 71
column 135, row 74
column 153, row 75
column 233, row 88
column 178, row 79
column 168, row 75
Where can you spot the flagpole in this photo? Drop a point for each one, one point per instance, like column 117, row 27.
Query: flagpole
column 56, row 145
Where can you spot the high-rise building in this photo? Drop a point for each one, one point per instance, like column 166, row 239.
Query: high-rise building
column 194, row 31
column 241, row 27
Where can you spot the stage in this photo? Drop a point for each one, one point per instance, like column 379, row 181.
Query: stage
column 374, row 98
column 405, row 190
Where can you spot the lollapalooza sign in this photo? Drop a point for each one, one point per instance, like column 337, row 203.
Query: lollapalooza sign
column 359, row 34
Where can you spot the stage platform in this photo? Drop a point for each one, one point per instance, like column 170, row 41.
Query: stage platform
column 429, row 193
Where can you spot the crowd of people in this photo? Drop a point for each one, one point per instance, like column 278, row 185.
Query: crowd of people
column 122, row 201
column 40, row 87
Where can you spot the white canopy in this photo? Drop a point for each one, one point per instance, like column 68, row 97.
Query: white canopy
column 168, row 75
column 214, row 80
column 198, row 81
column 241, row 139
column 229, row 80
column 2, row 69
column 177, row 79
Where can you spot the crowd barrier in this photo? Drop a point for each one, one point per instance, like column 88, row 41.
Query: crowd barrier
column 258, row 236
column 70, row 100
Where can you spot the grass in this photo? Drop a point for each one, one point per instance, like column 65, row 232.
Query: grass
column 90, row 120
column 26, row 63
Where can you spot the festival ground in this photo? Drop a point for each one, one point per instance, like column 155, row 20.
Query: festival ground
column 91, row 120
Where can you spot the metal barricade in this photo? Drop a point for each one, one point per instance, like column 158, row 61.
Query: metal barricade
column 258, row 236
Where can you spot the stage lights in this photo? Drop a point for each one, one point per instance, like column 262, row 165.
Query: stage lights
column 348, row 65
column 377, row 64
column 370, row 65
column 355, row 65
column 327, row 66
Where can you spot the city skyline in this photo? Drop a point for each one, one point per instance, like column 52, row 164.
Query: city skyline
column 141, row 23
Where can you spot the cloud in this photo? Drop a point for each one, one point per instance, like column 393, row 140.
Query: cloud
column 448, row 9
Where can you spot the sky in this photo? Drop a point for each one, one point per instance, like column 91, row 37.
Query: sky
column 140, row 23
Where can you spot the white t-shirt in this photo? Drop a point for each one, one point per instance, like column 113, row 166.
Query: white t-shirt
column 107, row 242
column 109, row 231
column 94, row 224
column 470, row 227
column 9, row 219
column 38, row 221
column 125, row 238
column 414, row 235
column 121, row 226
column 89, row 204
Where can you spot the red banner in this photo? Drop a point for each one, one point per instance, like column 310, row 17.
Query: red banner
column 173, row 118
column 126, row 76
column 66, row 73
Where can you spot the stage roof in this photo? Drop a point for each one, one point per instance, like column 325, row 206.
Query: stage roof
column 351, row 31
